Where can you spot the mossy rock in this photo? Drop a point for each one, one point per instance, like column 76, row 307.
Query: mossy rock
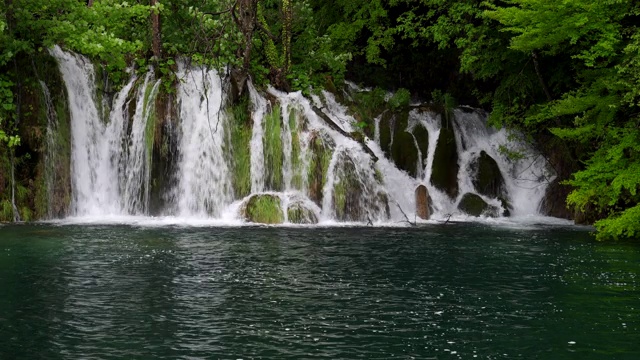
column 352, row 200
column 444, row 175
column 321, row 152
column 422, row 137
column 398, row 144
column 488, row 179
column 474, row 205
column 263, row 209
column 298, row 213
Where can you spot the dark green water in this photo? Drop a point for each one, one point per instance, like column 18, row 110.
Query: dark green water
column 442, row 292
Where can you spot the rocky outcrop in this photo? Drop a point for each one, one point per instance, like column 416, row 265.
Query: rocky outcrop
column 353, row 196
column 445, row 168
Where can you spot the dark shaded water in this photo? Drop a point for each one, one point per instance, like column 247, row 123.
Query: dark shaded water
column 442, row 292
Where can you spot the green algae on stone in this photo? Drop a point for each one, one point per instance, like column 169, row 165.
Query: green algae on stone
column 263, row 209
column 240, row 129
column 297, row 213
column 272, row 145
column 320, row 157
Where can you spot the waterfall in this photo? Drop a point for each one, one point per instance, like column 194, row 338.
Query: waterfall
column 259, row 104
column 135, row 168
column 326, row 176
column 95, row 146
column 204, row 179
column 526, row 177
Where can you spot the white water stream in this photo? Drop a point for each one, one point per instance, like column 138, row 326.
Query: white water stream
column 111, row 158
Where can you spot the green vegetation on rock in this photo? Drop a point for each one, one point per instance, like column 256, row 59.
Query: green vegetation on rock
column 297, row 213
column 272, row 145
column 473, row 205
column 240, row 128
column 263, row 209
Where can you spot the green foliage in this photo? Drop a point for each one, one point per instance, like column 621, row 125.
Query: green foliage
column 400, row 99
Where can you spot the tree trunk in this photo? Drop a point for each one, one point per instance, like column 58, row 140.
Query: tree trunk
column 244, row 13
column 89, row 3
column 156, row 40
column 287, row 10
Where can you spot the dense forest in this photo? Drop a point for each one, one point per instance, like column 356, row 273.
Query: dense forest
column 565, row 73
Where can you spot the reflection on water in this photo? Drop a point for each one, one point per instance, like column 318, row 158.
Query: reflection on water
column 455, row 291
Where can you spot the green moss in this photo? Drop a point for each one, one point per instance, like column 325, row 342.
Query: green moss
column 319, row 161
column 150, row 126
column 273, row 149
column 297, row 213
column 263, row 209
column 296, row 165
column 240, row 116
column 6, row 211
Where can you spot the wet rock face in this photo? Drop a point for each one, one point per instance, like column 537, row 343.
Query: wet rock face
column 298, row 213
column 488, row 179
column 399, row 145
column 422, row 202
column 353, row 195
column 321, row 152
column 445, row 168
column 263, row 209
column 474, row 205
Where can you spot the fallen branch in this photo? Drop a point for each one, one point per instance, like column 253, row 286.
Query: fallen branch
column 337, row 128
column 404, row 214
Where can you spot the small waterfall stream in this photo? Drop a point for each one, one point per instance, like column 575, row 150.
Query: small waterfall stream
column 328, row 174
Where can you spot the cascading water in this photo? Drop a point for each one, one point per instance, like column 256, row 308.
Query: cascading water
column 94, row 146
column 259, row 104
column 325, row 175
column 526, row 177
column 135, row 164
column 204, row 179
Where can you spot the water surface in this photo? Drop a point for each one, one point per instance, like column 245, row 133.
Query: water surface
column 441, row 292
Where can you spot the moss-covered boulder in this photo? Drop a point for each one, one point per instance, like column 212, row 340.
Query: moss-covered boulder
column 263, row 209
column 298, row 213
column 321, row 150
column 474, row 205
column 354, row 198
column 444, row 173
column 487, row 178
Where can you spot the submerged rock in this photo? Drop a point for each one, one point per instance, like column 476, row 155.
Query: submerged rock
column 474, row 205
column 263, row 209
column 422, row 202
column 444, row 175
